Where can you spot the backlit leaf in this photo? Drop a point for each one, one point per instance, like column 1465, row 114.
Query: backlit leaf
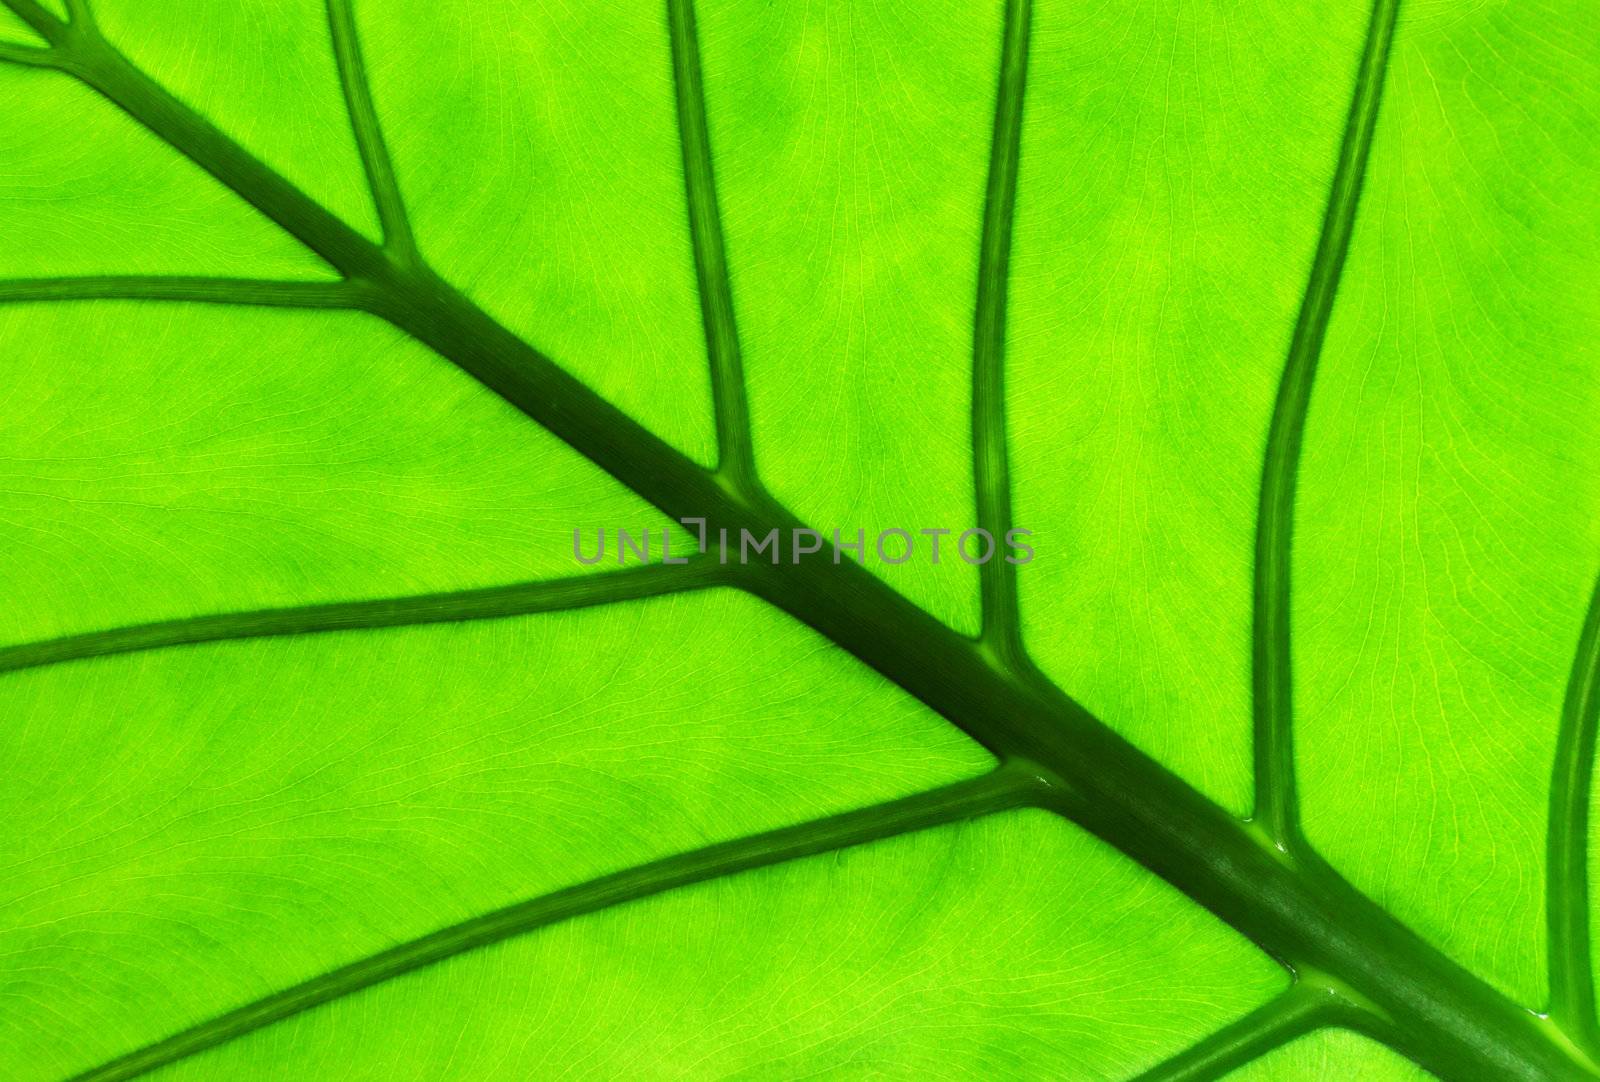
column 330, row 324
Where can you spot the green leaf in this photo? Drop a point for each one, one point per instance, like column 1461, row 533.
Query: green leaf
column 328, row 323
column 1330, row 1054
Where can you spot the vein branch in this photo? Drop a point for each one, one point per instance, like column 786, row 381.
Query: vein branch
column 1276, row 800
column 1572, row 996
column 736, row 452
column 205, row 290
column 28, row 56
column 1001, row 621
column 1300, row 1010
column 85, row 52
column 398, row 238
column 39, row 18
column 490, row 603
column 1117, row 792
column 1010, row 786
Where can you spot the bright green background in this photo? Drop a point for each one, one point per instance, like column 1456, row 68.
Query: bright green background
column 185, row 831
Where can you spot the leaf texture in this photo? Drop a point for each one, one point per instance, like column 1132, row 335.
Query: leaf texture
column 328, row 323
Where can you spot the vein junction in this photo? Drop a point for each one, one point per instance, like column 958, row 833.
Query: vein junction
column 1055, row 754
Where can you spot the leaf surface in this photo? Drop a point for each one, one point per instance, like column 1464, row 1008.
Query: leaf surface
column 327, row 323
column 280, row 804
column 1333, row 1053
column 891, row 960
column 1457, row 522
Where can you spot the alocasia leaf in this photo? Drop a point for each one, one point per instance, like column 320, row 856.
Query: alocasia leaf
column 327, row 324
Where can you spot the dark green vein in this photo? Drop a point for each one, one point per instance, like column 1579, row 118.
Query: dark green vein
column 413, row 298
column 494, row 602
column 27, row 55
column 736, row 451
column 82, row 51
column 43, row 22
column 1572, row 997
column 1299, row 911
column 1001, row 627
column 243, row 291
column 1010, row 786
column 78, row 11
column 1277, row 807
column 397, row 236
column 1300, row 1010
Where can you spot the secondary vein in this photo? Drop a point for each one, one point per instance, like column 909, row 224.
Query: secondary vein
column 39, row 18
column 353, row 80
column 205, row 290
column 736, row 451
column 27, row 55
column 489, row 603
column 1572, row 997
column 1010, row 786
column 1272, row 677
column 1001, row 622
column 1462, row 1025
column 1300, row 1010
column 82, row 51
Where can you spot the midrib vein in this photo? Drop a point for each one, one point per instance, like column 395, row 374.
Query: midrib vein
column 1299, row 910
column 1277, row 806
column 88, row 56
column 1010, row 786
column 997, row 578
column 493, row 602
